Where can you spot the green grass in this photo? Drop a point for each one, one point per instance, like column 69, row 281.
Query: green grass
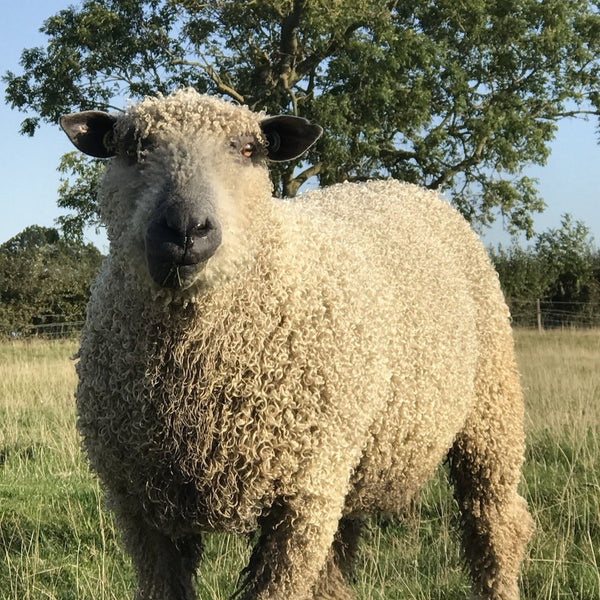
column 561, row 379
column 57, row 542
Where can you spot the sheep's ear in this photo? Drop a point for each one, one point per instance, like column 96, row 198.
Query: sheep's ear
column 288, row 137
column 91, row 132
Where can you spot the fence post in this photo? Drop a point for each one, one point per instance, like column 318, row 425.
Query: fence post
column 539, row 314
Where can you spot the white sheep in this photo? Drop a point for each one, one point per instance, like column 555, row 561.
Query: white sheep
column 251, row 364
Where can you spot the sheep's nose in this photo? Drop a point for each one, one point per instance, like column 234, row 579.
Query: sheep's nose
column 186, row 227
column 199, row 231
column 178, row 240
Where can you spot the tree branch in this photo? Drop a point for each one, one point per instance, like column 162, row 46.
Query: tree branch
column 396, row 155
column 576, row 113
column 212, row 73
column 310, row 62
column 288, row 48
column 292, row 184
column 451, row 171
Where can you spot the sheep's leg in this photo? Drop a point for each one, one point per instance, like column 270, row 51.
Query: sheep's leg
column 164, row 567
column 485, row 466
column 332, row 583
column 291, row 552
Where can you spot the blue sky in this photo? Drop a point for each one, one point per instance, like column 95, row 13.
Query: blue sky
column 570, row 182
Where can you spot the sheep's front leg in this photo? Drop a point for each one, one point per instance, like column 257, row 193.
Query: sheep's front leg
column 164, row 567
column 293, row 547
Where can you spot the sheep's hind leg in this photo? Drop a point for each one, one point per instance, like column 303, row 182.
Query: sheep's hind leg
column 332, row 584
column 291, row 552
column 164, row 567
column 485, row 466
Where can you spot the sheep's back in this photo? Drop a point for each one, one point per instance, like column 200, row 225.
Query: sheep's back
column 431, row 305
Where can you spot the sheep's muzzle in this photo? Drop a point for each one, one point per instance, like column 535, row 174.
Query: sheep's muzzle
column 179, row 241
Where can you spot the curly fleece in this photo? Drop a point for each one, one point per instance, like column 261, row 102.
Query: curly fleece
column 328, row 358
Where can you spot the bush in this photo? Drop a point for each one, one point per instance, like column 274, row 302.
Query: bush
column 44, row 281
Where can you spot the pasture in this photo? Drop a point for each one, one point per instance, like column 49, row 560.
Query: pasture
column 58, row 542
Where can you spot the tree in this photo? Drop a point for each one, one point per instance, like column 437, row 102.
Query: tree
column 568, row 257
column 451, row 95
column 80, row 176
column 521, row 272
column 561, row 269
column 44, row 278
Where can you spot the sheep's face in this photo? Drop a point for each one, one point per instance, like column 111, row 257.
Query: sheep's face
column 185, row 172
column 178, row 218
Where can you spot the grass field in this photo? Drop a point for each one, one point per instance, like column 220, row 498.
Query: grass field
column 56, row 542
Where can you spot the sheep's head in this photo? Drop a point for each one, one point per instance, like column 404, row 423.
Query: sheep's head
column 180, row 168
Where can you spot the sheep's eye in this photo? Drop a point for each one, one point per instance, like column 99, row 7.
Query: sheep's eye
column 244, row 145
column 133, row 149
column 248, row 149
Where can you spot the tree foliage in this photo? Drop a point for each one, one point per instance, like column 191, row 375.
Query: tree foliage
column 78, row 192
column 451, row 95
column 561, row 268
column 44, row 278
column 569, row 259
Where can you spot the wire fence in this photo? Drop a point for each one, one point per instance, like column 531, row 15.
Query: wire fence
column 525, row 313
column 47, row 327
column 542, row 314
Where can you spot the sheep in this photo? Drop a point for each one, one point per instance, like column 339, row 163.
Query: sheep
column 282, row 368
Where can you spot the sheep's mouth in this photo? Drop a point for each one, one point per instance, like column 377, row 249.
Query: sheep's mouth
column 175, row 276
column 175, row 259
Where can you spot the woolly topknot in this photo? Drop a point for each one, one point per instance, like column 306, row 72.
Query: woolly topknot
column 189, row 112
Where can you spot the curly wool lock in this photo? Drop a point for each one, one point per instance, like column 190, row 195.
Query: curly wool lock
column 249, row 364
